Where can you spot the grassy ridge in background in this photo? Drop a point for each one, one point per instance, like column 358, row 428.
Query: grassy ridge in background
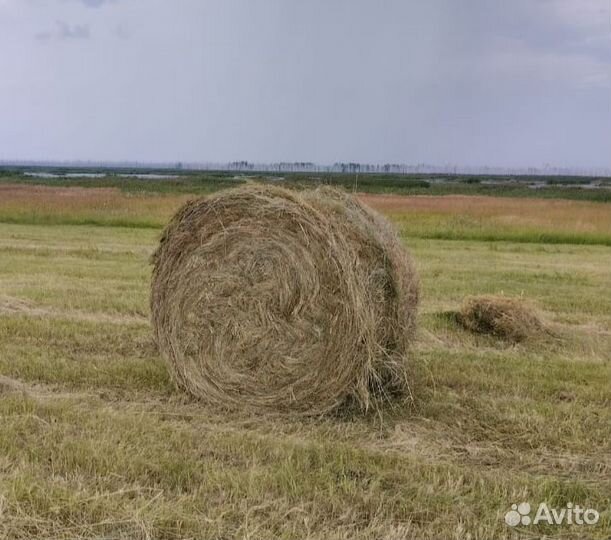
column 451, row 217
column 197, row 182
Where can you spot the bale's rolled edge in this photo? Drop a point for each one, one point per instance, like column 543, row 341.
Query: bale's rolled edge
column 382, row 291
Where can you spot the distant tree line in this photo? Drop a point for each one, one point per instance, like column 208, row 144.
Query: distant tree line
column 311, row 167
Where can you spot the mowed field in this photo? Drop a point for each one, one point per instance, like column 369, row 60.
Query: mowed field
column 95, row 442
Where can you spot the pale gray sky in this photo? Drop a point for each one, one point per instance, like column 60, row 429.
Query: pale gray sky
column 469, row 82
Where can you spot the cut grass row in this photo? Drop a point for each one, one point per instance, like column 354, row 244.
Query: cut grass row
column 135, row 473
column 444, row 230
column 102, row 445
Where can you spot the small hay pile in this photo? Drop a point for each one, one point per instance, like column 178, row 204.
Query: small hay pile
column 275, row 300
column 508, row 318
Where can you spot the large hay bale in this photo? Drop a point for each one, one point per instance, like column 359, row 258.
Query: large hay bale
column 284, row 301
column 511, row 319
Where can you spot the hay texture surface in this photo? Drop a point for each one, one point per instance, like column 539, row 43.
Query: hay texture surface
column 11, row 386
column 275, row 300
column 511, row 319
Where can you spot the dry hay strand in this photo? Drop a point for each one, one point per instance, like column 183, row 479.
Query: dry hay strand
column 511, row 319
column 269, row 299
column 11, row 386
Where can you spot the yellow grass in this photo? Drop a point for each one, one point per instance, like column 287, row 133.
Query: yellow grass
column 95, row 441
column 441, row 217
column 76, row 205
column 479, row 217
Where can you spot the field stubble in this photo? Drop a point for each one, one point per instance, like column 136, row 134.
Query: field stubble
column 96, row 442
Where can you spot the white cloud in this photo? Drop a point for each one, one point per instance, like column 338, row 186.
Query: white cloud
column 583, row 13
column 572, row 70
column 531, row 41
column 95, row 3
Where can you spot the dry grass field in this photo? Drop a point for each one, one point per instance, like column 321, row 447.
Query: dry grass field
column 95, row 442
column 439, row 217
column 498, row 218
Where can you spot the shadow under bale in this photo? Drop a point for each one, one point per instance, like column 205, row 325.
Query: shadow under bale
column 274, row 300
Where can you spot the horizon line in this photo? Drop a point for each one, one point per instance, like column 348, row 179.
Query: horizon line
column 349, row 167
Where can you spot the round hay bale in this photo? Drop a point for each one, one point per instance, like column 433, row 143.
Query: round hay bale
column 511, row 319
column 277, row 300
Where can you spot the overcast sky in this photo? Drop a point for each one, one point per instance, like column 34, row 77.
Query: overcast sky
column 469, row 82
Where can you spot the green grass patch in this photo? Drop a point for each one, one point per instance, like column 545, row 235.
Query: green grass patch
column 99, row 443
